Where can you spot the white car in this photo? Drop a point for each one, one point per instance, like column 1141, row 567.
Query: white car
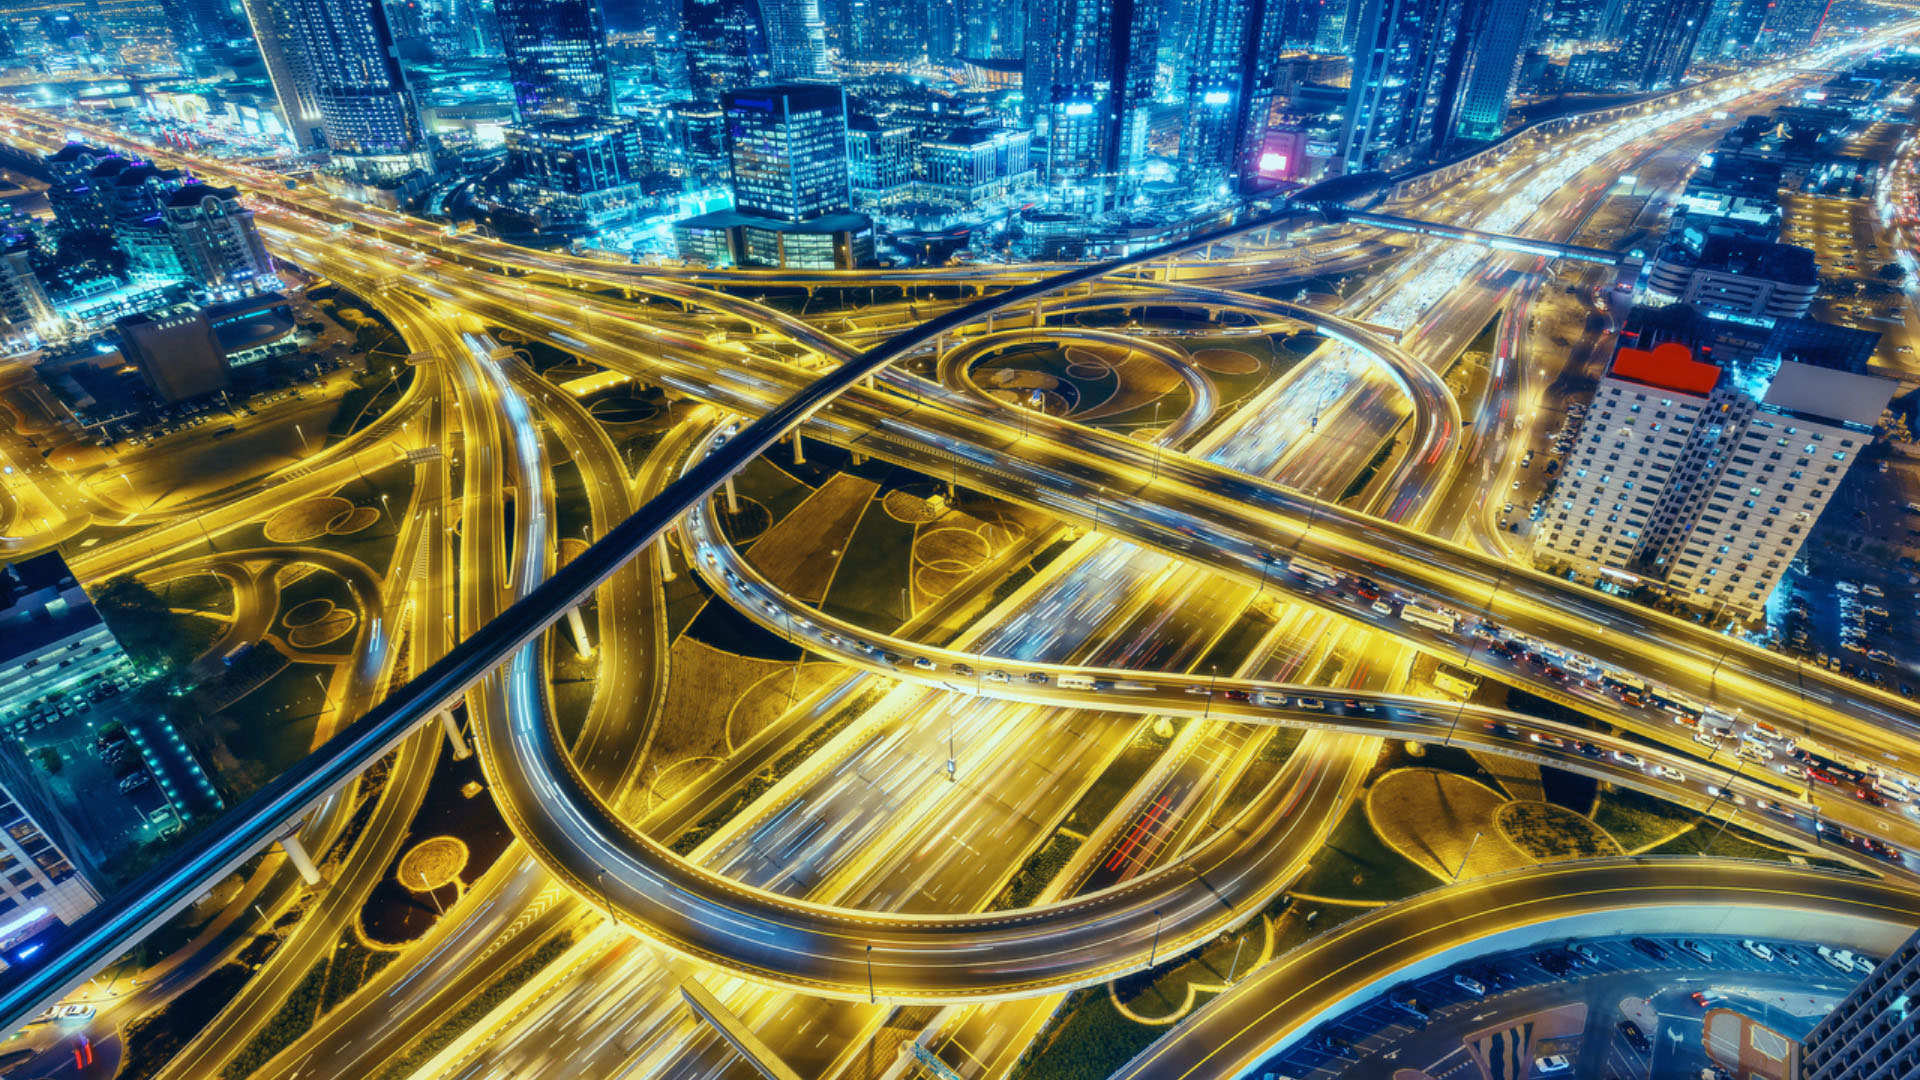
column 1668, row 772
column 1627, row 757
column 74, row 1012
column 1551, row 1065
column 1760, row 950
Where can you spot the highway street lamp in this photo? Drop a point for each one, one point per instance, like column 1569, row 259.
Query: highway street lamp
column 1153, row 952
column 1468, row 855
column 303, row 438
column 872, row 998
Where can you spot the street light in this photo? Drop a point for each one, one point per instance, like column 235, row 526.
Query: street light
column 1468, row 855
column 872, row 998
column 1153, row 952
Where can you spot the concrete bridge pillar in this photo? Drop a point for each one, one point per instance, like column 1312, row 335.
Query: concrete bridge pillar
column 799, row 453
column 456, row 738
column 733, row 498
column 666, row 558
column 579, row 627
column 303, row 862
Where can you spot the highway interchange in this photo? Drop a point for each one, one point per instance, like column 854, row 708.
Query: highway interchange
column 1155, row 525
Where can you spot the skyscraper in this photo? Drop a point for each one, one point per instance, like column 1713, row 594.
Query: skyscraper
column 1874, row 1034
column 1485, row 67
column 334, row 62
column 878, row 31
column 1399, row 65
column 556, row 58
column 1230, row 89
column 1794, row 24
column 276, row 29
column 796, row 38
column 1658, row 37
column 726, row 45
column 789, row 150
column 366, row 107
column 1089, row 73
column 792, row 199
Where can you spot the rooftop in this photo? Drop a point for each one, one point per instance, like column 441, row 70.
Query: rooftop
column 1668, row 366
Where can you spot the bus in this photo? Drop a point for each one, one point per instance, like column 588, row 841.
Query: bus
column 1319, row 573
column 1074, row 682
column 1631, row 690
column 1679, row 706
column 1446, row 622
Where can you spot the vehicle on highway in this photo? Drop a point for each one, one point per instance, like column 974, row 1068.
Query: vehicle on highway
column 76, row 1011
column 1635, row 1037
column 924, row 664
column 1628, row 757
column 1445, row 622
column 1319, row 573
column 1551, row 1065
column 1697, row 948
column 1470, row 985
column 1668, row 772
column 1760, row 949
column 1650, row 947
column 1074, row 682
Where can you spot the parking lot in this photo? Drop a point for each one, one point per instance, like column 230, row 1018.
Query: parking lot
column 1425, row 1023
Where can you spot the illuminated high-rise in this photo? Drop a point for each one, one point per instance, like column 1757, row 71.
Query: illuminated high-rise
column 1230, row 85
column 1657, row 40
column 1485, row 68
column 1089, row 75
column 556, row 58
column 276, row 29
column 1400, row 63
column 726, row 46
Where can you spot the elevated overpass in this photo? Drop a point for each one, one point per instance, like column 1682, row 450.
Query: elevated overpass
column 1551, row 249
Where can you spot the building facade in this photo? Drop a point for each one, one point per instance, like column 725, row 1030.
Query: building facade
column 1874, row 1034
column 216, row 243
column 1399, row 70
column 556, row 58
column 1703, row 477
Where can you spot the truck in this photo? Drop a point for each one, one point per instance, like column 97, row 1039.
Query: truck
column 1319, row 573
column 1075, row 682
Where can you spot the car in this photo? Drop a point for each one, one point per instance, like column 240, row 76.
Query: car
column 1551, row 1065
column 1650, row 947
column 1838, row 959
column 1628, row 757
column 1669, row 774
column 1470, row 985
column 997, row 677
column 1544, row 739
column 1585, row 952
column 1037, row 678
column 1697, row 948
column 1760, row 949
column 1635, row 1037
column 923, row 663
column 1870, row 797
column 77, row 1011
column 1706, row 739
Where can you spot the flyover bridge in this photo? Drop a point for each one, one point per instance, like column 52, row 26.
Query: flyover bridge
column 1501, row 241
